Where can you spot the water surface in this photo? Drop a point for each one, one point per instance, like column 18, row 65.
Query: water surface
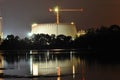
column 57, row 65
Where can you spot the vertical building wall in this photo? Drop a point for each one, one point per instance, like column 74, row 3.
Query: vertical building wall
column 57, row 29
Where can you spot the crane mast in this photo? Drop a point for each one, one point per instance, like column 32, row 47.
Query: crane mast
column 57, row 10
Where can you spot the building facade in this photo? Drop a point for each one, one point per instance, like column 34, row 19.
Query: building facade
column 54, row 28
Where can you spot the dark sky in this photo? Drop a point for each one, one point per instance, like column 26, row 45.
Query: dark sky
column 18, row 15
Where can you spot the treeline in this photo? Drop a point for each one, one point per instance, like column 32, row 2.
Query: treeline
column 103, row 38
column 37, row 41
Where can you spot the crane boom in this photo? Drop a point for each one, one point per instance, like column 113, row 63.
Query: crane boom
column 57, row 10
column 67, row 10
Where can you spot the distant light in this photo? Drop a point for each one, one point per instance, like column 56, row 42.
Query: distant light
column 30, row 34
column 72, row 22
column 34, row 24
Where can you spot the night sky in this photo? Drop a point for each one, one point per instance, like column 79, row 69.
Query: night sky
column 18, row 15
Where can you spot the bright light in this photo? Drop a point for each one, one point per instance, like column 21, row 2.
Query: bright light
column 72, row 22
column 30, row 34
column 56, row 9
column 58, row 70
column 35, row 69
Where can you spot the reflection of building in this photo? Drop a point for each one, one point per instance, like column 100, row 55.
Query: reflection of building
column 1, row 64
column 54, row 28
column 53, row 66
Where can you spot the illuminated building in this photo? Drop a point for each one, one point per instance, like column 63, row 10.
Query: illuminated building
column 81, row 32
column 45, row 65
column 1, row 34
column 57, row 28
column 54, row 28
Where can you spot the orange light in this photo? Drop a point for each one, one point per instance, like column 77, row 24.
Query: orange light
column 58, row 70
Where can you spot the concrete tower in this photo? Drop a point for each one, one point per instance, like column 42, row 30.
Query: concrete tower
column 1, row 34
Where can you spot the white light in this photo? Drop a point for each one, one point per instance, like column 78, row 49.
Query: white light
column 35, row 69
column 30, row 34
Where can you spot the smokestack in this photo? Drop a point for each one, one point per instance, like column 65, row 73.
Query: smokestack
column 1, row 34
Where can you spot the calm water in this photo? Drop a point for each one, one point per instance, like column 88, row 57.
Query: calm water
column 57, row 65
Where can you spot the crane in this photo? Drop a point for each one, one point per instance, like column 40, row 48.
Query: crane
column 57, row 10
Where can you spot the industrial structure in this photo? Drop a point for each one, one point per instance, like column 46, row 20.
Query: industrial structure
column 67, row 29
column 1, row 33
column 81, row 32
column 46, row 65
column 54, row 28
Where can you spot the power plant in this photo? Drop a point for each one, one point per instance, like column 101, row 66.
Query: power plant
column 54, row 28
column 67, row 29
column 57, row 28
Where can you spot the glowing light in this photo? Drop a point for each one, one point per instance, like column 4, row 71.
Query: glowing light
column 72, row 22
column 31, row 63
column 35, row 71
column 73, row 71
column 56, row 9
column 30, row 34
column 58, row 70
column 58, row 78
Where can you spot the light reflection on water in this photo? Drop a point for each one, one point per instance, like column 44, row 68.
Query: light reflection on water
column 56, row 65
column 52, row 65
column 49, row 64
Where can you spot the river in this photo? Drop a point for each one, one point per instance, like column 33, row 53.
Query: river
column 57, row 64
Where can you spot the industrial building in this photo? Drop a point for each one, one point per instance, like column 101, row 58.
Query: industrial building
column 66, row 29
column 1, row 33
